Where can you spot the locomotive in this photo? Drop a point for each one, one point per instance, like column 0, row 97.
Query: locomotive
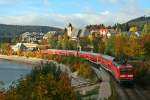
column 121, row 71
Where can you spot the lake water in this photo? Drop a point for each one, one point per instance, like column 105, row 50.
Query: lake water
column 11, row 71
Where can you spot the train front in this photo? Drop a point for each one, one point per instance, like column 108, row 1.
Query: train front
column 125, row 71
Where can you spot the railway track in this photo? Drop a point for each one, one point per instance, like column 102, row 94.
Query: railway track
column 125, row 92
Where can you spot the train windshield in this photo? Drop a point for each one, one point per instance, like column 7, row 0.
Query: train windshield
column 119, row 62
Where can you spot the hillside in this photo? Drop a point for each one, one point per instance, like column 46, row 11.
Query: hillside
column 139, row 22
column 11, row 30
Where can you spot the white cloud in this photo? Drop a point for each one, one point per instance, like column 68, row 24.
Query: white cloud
column 129, row 10
column 77, row 19
column 105, row 13
column 113, row 1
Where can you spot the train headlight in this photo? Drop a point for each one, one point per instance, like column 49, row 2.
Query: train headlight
column 130, row 75
column 122, row 76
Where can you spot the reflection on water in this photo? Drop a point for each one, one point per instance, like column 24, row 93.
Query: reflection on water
column 11, row 71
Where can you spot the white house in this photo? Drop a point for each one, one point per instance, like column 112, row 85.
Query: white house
column 24, row 47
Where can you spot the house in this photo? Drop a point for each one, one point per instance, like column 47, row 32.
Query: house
column 104, row 33
column 74, row 32
column 101, row 32
column 24, row 47
column 31, row 46
column 33, row 37
column 49, row 34
column 19, row 47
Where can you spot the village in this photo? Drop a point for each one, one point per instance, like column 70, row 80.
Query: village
column 32, row 41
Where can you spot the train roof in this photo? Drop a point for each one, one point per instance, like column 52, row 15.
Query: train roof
column 98, row 54
column 62, row 50
column 108, row 57
column 105, row 56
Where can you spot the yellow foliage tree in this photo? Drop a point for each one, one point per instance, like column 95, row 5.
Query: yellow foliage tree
column 133, row 47
column 119, row 44
column 133, row 29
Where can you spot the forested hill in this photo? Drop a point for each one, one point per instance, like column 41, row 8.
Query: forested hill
column 9, row 30
column 139, row 21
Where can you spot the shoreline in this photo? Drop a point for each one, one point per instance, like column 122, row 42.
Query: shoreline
column 22, row 59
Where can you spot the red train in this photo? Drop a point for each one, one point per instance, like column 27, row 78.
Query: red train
column 123, row 72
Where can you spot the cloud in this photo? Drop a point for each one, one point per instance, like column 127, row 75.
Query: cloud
column 77, row 19
column 113, row 1
column 129, row 10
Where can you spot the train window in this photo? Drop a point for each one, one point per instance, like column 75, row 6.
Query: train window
column 115, row 64
column 120, row 61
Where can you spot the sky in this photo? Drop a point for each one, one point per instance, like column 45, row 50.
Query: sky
column 78, row 12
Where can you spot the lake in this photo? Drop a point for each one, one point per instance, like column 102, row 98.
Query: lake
column 11, row 71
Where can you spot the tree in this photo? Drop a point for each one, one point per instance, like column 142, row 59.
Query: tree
column 65, row 40
column 52, row 41
column 120, row 42
column 102, row 47
column 16, row 39
column 133, row 47
column 59, row 42
column 145, row 40
column 94, row 42
column 84, row 43
column 147, row 49
column 133, row 29
column 146, row 29
column 72, row 45
column 6, row 48
column 110, row 43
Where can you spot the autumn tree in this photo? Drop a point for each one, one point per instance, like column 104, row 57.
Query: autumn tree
column 84, row 43
column 95, row 42
column 133, row 47
column 110, row 43
column 147, row 49
column 52, row 41
column 72, row 45
column 145, row 44
column 59, row 42
column 6, row 49
column 133, row 29
column 65, row 40
column 120, row 42
column 146, row 29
